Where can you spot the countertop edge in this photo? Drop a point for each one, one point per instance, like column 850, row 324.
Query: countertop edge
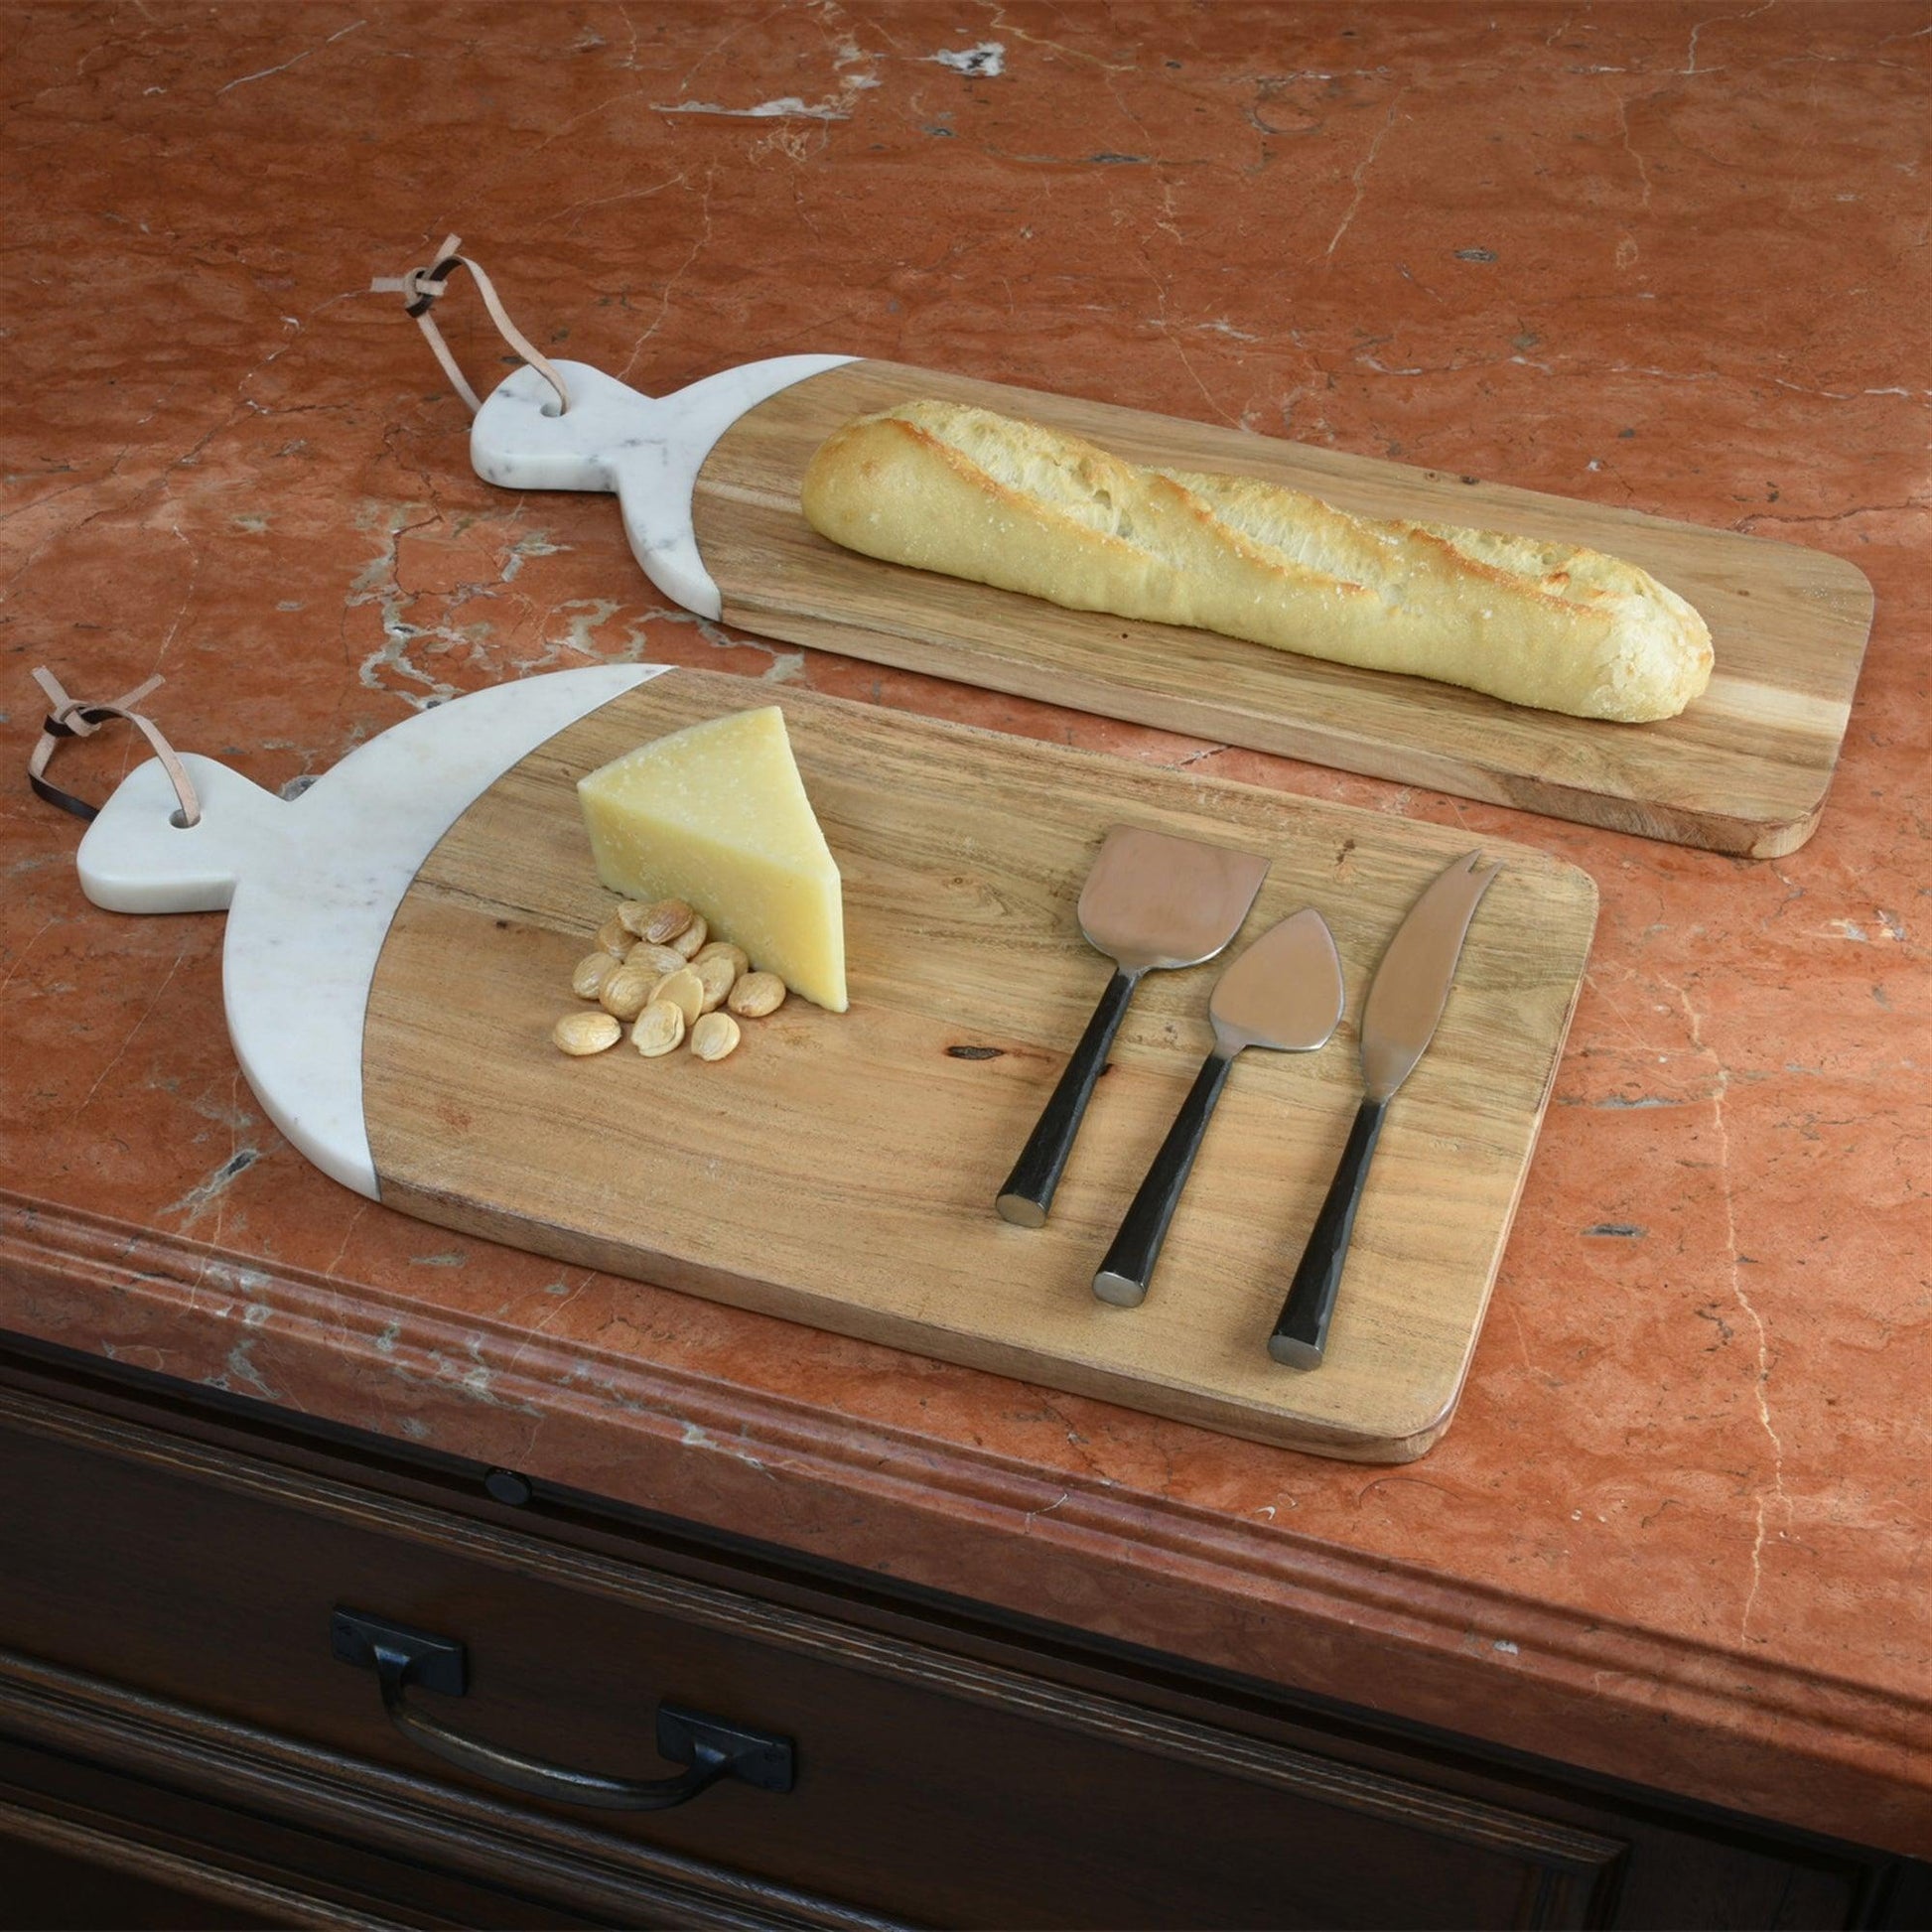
column 1810, row 1750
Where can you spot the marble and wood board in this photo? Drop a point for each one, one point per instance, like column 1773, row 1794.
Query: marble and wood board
column 841, row 1169
column 709, row 481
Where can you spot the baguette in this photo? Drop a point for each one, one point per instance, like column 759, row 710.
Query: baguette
column 948, row 488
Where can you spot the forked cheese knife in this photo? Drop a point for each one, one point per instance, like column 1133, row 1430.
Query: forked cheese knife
column 1411, row 988
column 311, row 884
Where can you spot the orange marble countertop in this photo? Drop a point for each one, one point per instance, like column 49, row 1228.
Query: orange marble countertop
column 1669, row 256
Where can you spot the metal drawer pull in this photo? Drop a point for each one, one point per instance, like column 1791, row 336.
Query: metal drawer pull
column 712, row 1748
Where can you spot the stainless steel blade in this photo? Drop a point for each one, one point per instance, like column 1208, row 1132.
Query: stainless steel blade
column 1283, row 991
column 1413, row 982
column 1153, row 899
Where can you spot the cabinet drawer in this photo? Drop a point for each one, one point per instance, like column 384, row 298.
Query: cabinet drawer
column 928, row 1785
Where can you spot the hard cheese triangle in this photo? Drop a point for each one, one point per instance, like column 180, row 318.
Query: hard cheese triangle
column 716, row 815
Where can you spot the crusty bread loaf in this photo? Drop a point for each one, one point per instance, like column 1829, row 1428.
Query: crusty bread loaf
column 948, row 488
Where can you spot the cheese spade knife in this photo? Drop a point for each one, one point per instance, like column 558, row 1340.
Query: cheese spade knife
column 1285, row 992
column 1152, row 901
column 1411, row 988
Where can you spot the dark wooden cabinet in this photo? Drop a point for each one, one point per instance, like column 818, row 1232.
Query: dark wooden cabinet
column 173, row 1724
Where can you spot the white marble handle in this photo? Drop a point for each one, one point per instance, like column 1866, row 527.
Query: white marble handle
column 138, row 858
column 311, row 886
column 648, row 448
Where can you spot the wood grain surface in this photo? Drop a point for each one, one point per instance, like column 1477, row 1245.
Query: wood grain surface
column 1744, row 770
column 841, row 1169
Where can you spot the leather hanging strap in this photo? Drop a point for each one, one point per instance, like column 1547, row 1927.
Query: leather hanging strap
column 421, row 288
column 76, row 718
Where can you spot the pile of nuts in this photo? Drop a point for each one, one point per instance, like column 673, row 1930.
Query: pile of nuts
column 657, row 970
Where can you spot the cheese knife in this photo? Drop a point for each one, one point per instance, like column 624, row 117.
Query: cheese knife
column 1152, row 902
column 1285, row 993
column 1405, row 1002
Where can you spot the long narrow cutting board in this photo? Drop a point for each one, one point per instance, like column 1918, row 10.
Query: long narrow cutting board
column 841, row 1169
column 710, row 482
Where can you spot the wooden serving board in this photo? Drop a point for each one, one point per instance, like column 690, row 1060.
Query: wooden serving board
column 1744, row 770
column 841, row 1169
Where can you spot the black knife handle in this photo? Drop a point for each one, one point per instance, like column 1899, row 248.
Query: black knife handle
column 1302, row 1334
column 1030, row 1187
column 1125, row 1274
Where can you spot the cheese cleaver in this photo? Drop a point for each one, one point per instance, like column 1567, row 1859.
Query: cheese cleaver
column 1285, row 992
column 1411, row 988
column 1152, row 902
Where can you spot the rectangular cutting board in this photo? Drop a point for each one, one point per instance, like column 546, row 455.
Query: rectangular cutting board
column 839, row 1169
column 1744, row 770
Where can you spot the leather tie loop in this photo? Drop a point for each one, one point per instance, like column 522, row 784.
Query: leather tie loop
column 422, row 288
column 76, row 718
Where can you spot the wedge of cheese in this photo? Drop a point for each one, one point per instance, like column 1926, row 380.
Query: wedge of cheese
column 716, row 815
